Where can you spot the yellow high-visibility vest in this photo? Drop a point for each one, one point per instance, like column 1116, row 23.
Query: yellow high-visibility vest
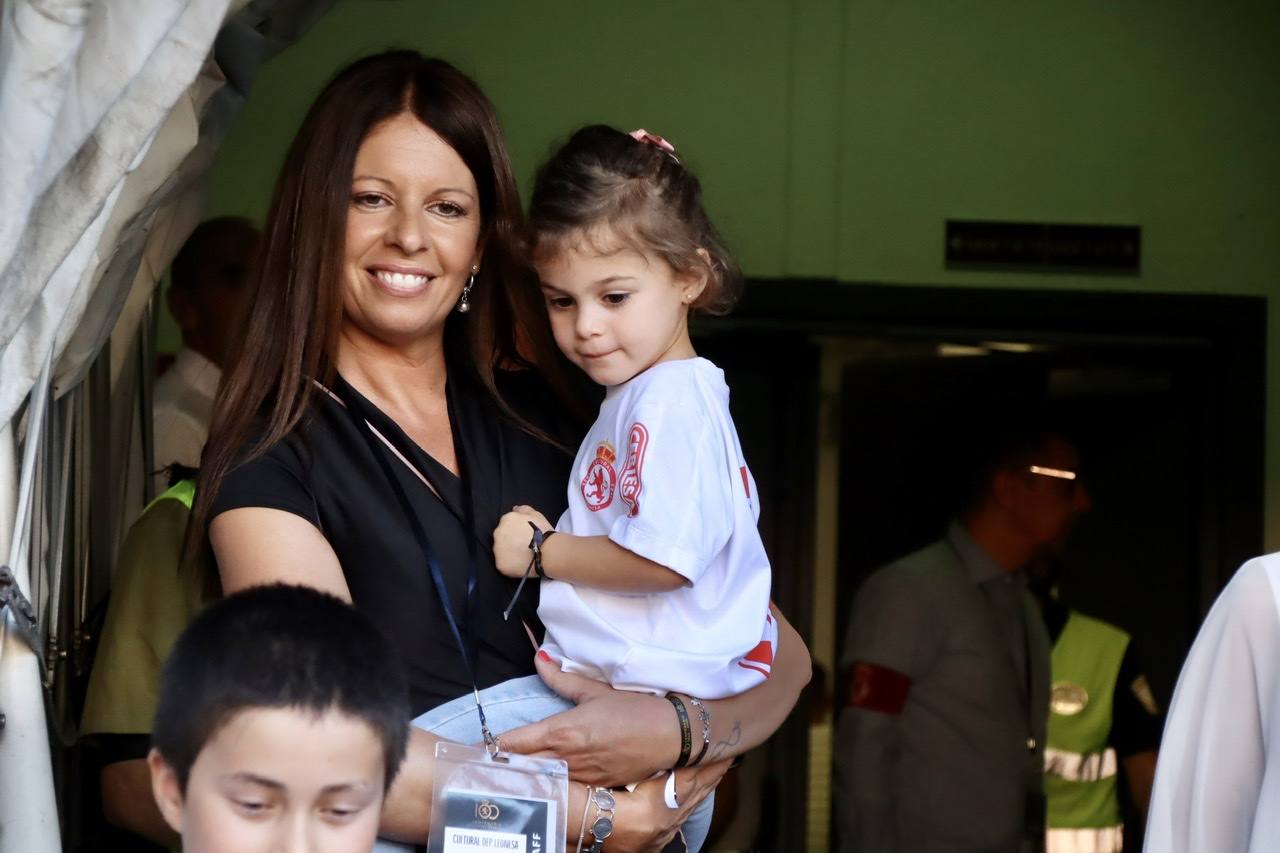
column 1080, row 767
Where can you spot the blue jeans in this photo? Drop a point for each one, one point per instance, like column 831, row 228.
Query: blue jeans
column 510, row 705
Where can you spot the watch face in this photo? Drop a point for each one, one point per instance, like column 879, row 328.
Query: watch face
column 602, row 828
column 604, row 799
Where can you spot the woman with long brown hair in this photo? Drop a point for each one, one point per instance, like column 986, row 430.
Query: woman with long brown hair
column 397, row 390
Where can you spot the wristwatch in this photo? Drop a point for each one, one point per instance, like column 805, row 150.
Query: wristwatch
column 602, row 826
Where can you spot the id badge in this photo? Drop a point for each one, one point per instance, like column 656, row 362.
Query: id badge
column 486, row 803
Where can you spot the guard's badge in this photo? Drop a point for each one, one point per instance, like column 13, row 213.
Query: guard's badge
column 1068, row 699
column 601, row 480
column 1142, row 692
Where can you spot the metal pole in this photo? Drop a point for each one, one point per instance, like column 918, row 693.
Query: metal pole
column 26, row 772
column 146, row 382
column 68, row 408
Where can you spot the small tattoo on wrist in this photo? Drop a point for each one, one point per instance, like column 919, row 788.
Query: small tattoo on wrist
column 723, row 746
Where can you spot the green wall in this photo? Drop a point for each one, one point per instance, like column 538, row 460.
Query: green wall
column 834, row 138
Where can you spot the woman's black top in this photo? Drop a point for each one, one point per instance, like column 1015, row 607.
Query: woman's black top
column 325, row 472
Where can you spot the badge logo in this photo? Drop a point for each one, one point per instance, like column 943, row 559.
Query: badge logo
column 632, row 484
column 486, row 810
column 1068, row 699
column 599, row 484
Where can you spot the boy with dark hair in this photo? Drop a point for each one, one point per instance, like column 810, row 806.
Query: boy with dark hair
column 281, row 722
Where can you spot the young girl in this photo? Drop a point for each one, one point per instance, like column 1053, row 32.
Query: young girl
column 656, row 579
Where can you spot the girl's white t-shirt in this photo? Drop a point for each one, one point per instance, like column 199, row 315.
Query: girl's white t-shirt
column 661, row 473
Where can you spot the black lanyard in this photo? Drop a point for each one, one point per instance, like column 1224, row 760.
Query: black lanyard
column 467, row 644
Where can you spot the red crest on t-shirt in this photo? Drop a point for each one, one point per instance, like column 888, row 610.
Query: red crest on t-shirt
column 598, row 485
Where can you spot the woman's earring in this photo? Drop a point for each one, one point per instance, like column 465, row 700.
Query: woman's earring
column 464, row 305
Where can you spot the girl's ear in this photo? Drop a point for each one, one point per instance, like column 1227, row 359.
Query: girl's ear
column 696, row 281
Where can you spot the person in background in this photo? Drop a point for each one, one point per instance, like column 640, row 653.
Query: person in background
column 1103, row 721
column 155, row 592
column 206, row 295
column 941, row 744
column 154, row 595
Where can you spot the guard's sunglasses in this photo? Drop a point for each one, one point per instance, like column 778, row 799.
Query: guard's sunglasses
column 1065, row 480
column 1055, row 473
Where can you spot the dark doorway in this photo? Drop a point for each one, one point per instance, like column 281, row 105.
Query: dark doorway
column 1164, row 393
column 910, row 426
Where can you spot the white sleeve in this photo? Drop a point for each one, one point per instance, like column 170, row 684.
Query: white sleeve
column 1209, row 775
column 179, row 437
column 673, row 482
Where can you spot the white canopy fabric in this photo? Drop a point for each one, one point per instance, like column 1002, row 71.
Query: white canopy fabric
column 87, row 89
column 110, row 113
column 1218, row 777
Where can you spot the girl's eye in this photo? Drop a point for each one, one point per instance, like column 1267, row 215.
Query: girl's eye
column 560, row 302
column 616, row 298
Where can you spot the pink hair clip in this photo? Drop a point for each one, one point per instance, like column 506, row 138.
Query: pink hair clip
column 642, row 135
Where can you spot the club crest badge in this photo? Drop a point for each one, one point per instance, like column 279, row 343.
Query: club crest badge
column 632, row 485
column 599, row 484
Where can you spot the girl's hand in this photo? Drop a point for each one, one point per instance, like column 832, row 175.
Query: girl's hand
column 511, row 539
column 642, row 821
column 612, row 738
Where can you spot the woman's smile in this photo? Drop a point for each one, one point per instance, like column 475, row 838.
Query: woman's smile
column 400, row 280
column 412, row 235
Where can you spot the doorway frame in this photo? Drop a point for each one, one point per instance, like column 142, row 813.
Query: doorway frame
column 1230, row 331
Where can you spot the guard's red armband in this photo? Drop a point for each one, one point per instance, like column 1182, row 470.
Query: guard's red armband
column 877, row 688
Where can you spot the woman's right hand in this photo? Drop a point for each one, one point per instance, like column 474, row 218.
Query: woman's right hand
column 642, row 821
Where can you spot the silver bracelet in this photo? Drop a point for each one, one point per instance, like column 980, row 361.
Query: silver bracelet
column 705, row 716
column 602, row 826
column 582, row 832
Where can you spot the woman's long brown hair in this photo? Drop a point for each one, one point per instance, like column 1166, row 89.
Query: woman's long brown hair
column 296, row 309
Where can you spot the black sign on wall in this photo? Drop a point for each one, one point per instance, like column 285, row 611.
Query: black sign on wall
column 1043, row 247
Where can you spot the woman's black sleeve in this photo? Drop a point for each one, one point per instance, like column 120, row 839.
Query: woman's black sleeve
column 278, row 479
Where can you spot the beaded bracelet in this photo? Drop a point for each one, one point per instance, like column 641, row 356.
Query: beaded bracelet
column 686, row 735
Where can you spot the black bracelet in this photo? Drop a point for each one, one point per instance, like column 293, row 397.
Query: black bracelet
column 535, row 545
column 686, row 735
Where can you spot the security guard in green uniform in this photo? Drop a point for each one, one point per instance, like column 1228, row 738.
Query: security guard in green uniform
column 940, row 745
column 1103, row 721
column 154, row 595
